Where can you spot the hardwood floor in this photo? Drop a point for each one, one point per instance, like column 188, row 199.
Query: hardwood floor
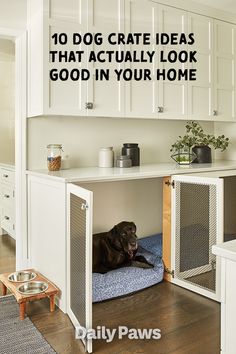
column 7, row 254
column 190, row 323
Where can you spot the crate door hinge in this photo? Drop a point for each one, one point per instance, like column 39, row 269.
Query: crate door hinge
column 171, row 272
column 168, row 183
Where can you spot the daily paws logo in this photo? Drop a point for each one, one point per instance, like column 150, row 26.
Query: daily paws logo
column 108, row 334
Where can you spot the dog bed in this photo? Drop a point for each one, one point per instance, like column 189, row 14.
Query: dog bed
column 127, row 280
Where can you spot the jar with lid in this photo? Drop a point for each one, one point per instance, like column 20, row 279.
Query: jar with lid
column 106, row 157
column 132, row 150
column 54, row 157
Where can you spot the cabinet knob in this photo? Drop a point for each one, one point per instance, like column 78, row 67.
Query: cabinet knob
column 6, row 196
column 7, row 217
column 89, row 105
column 215, row 113
column 5, row 175
column 160, row 109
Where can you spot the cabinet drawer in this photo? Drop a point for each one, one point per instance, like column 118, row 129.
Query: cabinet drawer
column 8, row 221
column 7, row 196
column 7, row 176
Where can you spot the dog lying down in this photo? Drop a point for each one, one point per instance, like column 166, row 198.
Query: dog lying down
column 117, row 248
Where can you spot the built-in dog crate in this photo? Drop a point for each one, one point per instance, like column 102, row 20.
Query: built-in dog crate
column 199, row 211
column 97, row 207
column 203, row 214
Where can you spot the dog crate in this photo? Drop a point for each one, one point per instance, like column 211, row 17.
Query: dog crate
column 102, row 204
column 203, row 214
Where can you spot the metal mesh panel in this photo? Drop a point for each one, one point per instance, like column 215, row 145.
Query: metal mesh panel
column 196, row 233
column 77, row 259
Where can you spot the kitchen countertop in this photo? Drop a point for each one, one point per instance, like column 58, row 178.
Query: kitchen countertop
column 226, row 250
column 96, row 174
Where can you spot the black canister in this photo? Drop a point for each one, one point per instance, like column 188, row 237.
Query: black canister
column 132, row 150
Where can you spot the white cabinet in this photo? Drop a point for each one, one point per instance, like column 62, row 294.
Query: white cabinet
column 68, row 97
column 142, row 97
column 210, row 97
column 7, row 198
column 47, row 230
column 45, row 96
column 201, row 91
column 107, row 97
column 224, row 71
column 156, row 98
column 172, row 94
column 227, row 254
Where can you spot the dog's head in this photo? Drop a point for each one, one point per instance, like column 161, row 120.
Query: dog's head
column 123, row 238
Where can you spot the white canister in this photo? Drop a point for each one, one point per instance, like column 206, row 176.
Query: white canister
column 106, row 157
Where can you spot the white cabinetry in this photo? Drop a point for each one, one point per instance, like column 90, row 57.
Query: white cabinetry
column 80, row 97
column 47, row 229
column 7, row 197
column 224, row 71
column 227, row 253
column 142, row 97
column 200, row 92
column 172, row 94
column 210, row 97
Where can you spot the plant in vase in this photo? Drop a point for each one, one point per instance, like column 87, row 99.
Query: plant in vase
column 197, row 143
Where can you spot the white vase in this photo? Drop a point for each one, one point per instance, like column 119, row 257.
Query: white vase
column 106, row 157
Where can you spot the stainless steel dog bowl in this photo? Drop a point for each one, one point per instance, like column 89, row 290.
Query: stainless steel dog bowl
column 22, row 276
column 32, row 288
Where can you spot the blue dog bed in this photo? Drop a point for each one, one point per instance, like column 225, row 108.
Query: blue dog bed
column 127, row 280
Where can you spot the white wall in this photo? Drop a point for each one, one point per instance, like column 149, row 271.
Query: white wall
column 7, row 101
column 82, row 138
column 229, row 130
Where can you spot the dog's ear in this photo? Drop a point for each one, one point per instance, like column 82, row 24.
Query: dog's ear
column 134, row 227
column 114, row 230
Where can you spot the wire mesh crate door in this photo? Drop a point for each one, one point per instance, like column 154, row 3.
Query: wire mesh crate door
column 196, row 223
column 80, row 258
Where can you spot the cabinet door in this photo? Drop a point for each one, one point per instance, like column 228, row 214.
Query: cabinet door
column 106, row 96
column 172, row 94
column 200, row 92
column 224, row 71
column 45, row 18
column 197, row 224
column 79, row 258
column 141, row 96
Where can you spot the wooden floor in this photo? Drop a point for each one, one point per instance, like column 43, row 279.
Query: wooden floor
column 190, row 323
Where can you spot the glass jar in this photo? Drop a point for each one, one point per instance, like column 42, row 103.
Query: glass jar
column 132, row 150
column 54, row 157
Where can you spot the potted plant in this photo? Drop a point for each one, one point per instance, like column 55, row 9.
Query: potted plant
column 197, row 143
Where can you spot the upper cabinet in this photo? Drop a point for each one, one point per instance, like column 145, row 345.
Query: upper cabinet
column 201, row 91
column 172, row 94
column 224, row 71
column 67, row 97
column 210, row 97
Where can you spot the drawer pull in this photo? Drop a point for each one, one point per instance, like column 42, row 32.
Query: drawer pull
column 6, row 196
column 89, row 105
column 5, row 175
column 7, row 217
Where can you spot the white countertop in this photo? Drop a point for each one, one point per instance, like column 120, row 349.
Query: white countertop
column 226, row 250
column 95, row 174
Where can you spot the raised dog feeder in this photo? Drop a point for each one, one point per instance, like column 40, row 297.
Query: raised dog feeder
column 22, row 276
column 33, row 288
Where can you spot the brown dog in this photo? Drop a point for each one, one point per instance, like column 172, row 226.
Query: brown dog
column 117, row 248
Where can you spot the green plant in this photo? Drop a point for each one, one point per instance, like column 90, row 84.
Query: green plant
column 195, row 136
